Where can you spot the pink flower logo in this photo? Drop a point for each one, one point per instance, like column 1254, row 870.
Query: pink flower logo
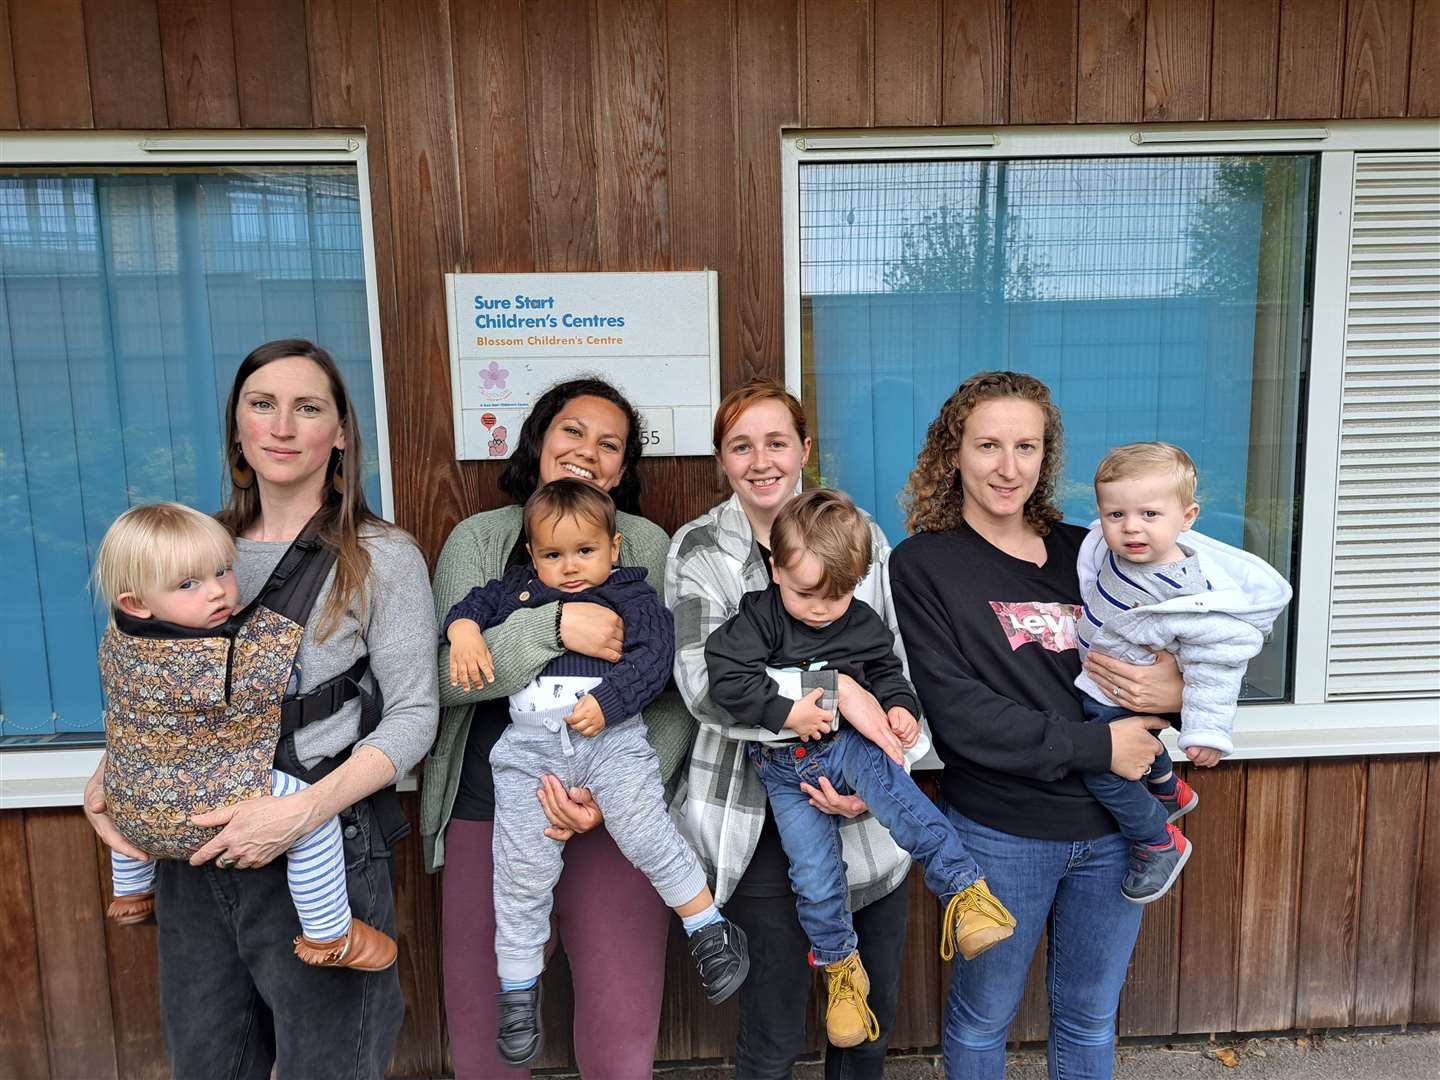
column 494, row 376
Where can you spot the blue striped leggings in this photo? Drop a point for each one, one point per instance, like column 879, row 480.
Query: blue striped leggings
column 315, row 869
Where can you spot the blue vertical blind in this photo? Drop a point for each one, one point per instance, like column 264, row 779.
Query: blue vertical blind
column 127, row 300
column 1158, row 298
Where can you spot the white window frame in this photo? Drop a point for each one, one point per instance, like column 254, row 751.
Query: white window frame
column 40, row 777
column 1307, row 726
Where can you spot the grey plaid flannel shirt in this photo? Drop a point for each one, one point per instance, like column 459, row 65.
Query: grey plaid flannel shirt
column 713, row 562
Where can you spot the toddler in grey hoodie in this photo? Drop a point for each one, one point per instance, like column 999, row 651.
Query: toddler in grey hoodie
column 1146, row 589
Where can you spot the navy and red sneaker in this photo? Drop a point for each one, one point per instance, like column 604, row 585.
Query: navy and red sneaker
column 1154, row 869
column 1179, row 802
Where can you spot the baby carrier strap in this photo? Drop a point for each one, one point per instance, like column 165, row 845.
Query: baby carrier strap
column 292, row 590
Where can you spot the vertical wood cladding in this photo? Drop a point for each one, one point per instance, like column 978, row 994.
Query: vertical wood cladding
column 516, row 135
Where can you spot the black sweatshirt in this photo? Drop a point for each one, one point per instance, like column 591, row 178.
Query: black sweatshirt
column 763, row 634
column 991, row 644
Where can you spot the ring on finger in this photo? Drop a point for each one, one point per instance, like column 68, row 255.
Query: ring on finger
column 225, row 862
column 1117, row 690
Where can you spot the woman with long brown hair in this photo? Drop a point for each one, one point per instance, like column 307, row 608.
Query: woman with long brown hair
column 234, row 999
column 987, row 594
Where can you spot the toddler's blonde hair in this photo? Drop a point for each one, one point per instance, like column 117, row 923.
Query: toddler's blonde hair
column 1147, row 459
column 156, row 546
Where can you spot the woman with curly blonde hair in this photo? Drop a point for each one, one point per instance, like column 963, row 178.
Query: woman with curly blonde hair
column 987, row 594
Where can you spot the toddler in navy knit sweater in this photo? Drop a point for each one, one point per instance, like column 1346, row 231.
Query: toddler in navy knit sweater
column 579, row 721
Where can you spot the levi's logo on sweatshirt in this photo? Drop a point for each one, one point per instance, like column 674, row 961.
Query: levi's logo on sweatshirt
column 1051, row 626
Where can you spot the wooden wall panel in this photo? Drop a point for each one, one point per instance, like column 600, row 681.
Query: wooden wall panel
column 1426, row 1006
column 1311, row 59
column 494, row 138
column 197, row 46
column 917, row 1019
column 560, row 111
column 908, row 41
column 1377, row 53
column 767, row 99
column 975, row 60
column 1042, row 61
column 133, row 966
column 22, row 1035
column 424, row 180
column 420, row 1050
column 1424, row 98
column 1110, row 47
column 1177, row 59
column 271, row 63
column 703, row 143
column 1150, row 998
column 633, row 179
column 52, row 73
column 344, row 66
column 1243, row 61
column 1329, row 894
column 1385, row 941
column 1270, row 884
column 1210, row 915
column 69, row 930
column 9, row 106
column 127, row 79
column 838, row 63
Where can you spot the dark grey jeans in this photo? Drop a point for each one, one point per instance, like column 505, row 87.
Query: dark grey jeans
column 234, row 998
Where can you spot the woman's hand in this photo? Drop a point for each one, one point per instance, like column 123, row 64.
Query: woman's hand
column 826, row 799
column 592, row 630
column 1132, row 748
column 99, row 818
column 865, row 715
column 570, row 811
column 253, row 832
column 1143, row 688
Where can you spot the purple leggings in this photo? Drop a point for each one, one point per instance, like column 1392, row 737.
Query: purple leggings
column 614, row 928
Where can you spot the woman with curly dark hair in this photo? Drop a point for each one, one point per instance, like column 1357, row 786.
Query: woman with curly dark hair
column 987, row 594
column 611, row 921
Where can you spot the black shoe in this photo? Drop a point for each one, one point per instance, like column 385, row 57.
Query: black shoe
column 520, row 1040
column 1154, row 869
column 721, row 957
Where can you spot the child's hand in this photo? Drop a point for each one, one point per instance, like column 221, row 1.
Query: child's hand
column 471, row 665
column 903, row 726
column 587, row 718
column 807, row 719
column 1207, row 757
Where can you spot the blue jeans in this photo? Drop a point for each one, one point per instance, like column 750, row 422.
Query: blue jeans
column 811, row 838
column 1074, row 887
column 1137, row 812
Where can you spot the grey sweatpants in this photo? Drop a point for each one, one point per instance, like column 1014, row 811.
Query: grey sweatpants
column 622, row 772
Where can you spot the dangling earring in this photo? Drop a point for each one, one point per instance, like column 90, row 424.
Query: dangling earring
column 242, row 476
column 337, row 478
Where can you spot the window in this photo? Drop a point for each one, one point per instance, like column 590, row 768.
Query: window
column 1166, row 285
column 129, row 293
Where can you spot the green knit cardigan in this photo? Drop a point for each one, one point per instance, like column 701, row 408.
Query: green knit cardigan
column 522, row 646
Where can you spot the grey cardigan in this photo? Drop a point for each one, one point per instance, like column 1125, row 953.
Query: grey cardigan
column 521, row 646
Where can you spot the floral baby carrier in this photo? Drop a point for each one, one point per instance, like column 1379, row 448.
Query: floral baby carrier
column 193, row 718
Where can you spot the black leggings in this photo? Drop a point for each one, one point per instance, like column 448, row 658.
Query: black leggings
column 774, row 1002
column 234, row 998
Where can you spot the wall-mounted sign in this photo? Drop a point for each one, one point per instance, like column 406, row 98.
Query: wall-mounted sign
column 655, row 336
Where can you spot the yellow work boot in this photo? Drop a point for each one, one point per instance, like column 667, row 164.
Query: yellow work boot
column 848, row 1019
column 974, row 921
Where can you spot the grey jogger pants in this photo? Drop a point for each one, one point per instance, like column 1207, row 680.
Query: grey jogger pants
column 622, row 772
